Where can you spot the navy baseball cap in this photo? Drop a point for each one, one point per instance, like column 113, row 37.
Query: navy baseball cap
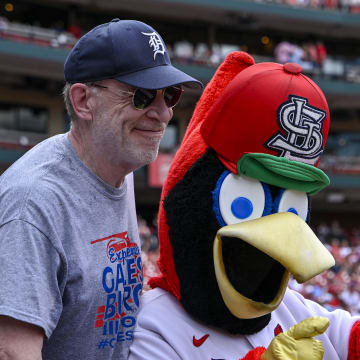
column 126, row 50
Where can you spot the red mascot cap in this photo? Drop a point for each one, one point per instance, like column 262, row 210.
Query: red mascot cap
column 271, row 123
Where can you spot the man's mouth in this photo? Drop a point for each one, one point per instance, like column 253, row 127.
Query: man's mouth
column 149, row 129
column 150, row 132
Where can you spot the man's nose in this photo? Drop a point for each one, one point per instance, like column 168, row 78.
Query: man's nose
column 158, row 109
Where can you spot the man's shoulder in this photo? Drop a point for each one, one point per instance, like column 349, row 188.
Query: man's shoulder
column 35, row 161
column 33, row 168
column 33, row 180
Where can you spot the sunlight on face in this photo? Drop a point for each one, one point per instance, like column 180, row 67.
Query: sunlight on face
column 125, row 135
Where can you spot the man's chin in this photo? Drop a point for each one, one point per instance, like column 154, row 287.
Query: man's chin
column 142, row 157
column 150, row 156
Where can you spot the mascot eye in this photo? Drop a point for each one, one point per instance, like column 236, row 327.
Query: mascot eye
column 293, row 201
column 240, row 198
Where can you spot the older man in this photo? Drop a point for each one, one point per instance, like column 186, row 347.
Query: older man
column 69, row 248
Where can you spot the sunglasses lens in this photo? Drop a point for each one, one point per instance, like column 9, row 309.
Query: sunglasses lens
column 143, row 98
column 172, row 95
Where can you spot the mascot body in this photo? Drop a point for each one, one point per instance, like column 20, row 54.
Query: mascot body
column 233, row 227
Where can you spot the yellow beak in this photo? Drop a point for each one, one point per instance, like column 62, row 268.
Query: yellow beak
column 286, row 238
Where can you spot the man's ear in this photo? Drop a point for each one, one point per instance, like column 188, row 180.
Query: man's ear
column 79, row 96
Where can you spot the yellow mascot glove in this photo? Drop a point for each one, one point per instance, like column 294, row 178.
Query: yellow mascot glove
column 298, row 342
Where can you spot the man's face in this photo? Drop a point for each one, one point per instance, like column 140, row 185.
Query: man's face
column 128, row 137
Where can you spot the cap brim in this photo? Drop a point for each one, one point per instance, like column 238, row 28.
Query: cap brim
column 282, row 172
column 159, row 77
column 230, row 165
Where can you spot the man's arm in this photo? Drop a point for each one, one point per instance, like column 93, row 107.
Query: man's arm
column 20, row 340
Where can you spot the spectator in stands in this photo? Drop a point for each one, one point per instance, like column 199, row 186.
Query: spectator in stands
column 69, row 250
column 336, row 229
column 184, row 51
column 154, row 234
column 144, row 234
column 354, row 6
column 73, row 26
column 310, row 53
column 4, row 23
column 150, row 267
column 331, row 4
column 321, row 54
column 298, row 56
column 316, row 4
column 283, row 52
column 345, row 249
column 75, row 30
column 202, row 54
column 150, row 249
column 323, row 231
column 354, row 238
column 351, row 298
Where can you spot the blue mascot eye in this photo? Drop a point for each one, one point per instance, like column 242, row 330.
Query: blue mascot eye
column 239, row 198
column 242, row 207
column 293, row 201
column 292, row 210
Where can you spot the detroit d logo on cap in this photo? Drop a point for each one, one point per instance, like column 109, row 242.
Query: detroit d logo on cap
column 302, row 124
column 156, row 43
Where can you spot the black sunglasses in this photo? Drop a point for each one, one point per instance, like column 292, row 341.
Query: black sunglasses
column 142, row 98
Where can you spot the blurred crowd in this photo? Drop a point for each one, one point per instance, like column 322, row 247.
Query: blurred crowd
column 313, row 57
column 310, row 55
column 185, row 52
column 338, row 287
column 57, row 36
column 352, row 6
column 149, row 247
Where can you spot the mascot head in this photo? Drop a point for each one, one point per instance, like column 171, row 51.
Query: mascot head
column 233, row 212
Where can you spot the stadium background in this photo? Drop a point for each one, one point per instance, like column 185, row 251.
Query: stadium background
column 321, row 35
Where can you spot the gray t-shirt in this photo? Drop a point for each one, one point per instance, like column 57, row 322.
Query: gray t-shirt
column 69, row 254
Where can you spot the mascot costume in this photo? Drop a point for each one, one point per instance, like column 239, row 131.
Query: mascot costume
column 233, row 227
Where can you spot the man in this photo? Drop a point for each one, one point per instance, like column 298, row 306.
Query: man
column 69, row 248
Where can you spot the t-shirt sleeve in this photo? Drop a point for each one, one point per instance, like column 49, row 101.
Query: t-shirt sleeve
column 31, row 274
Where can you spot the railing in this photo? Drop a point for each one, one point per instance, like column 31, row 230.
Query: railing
column 35, row 34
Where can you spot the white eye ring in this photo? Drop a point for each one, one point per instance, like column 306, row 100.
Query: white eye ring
column 293, row 201
column 241, row 199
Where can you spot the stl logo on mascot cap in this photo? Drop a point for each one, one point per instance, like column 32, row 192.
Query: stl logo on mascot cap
column 268, row 113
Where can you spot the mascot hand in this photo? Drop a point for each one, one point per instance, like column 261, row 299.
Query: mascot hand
column 298, row 342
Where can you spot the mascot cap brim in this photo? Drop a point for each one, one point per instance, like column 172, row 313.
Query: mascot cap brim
column 283, row 172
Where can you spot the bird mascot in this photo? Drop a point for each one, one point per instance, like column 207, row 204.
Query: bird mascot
column 233, row 227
